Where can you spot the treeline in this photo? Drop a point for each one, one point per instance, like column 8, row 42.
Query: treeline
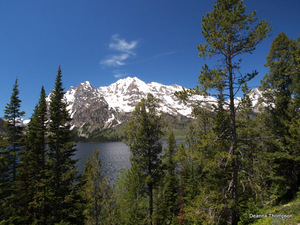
column 39, row 183
column 231, row 164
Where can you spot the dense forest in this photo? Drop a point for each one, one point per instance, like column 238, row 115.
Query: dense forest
column 234, row 167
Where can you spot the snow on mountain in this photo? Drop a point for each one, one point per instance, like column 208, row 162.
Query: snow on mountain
column 126, row 93
column 96, row 109
column 99, row 108
column 255, row 96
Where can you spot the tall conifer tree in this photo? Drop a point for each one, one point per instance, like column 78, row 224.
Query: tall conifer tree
column 30, row 183
column 97, row 193
column 12, row 143
column 166, row 200
column 131, row 200
column 143, row 138
column 281, row 94
column 14, row 130
column 61, row 166
column 229, row 33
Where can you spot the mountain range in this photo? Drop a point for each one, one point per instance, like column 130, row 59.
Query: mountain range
column 98, row 113
column 96, row 109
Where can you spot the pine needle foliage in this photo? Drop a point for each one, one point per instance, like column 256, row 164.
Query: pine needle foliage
column 11, row 144
column 97, row 193
column 62, row 175
column 281, row 93
column 30, row 183
column 143, row 138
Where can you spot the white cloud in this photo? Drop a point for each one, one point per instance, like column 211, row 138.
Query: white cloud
column 118, row 75
column 125, row 48
column 164, row 54
column 115, row 60
column 121, row 45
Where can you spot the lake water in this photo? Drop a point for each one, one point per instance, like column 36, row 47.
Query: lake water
column 113, row 155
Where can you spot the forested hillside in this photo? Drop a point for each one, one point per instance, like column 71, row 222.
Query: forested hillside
column 235, row 166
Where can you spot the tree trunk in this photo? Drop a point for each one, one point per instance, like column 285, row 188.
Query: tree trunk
column 235, row 217
column 151, row 201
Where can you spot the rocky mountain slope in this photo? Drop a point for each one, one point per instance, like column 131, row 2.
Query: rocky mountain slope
column 95, row 109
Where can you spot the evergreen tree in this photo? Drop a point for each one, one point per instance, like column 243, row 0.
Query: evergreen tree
column 30, row 201
column 253, row 166
column 143, row 138
column 62, row 187
column 229, row 33
column 195, row 159
column 97, row 193
column 132, row 202
column 11, row 145
column 281, row 93
column 5, row 179
column 14, row 130
column 166, row 208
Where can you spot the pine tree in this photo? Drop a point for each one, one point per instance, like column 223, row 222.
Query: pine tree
column 195, row 160
column 14, row 130
column 143, row 138
column 281, row 93
column 5, row 180
column 11, row 146
column 62, row 189
column 30, row 181
column 97, row 193
column 229, row 33
column 253, row 165
column 132, row 202
column 166, row 200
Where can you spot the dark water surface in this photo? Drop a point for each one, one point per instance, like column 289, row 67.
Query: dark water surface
column 113, row 155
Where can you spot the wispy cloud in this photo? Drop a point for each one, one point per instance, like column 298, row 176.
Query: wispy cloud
column 121, row 45
column 119, row 75
column 115, row 60
column 125, row 49
column 165, row 54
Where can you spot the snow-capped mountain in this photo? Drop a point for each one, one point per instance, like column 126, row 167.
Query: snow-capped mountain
column 97, row 108
column 108, row 106
column 123, row 95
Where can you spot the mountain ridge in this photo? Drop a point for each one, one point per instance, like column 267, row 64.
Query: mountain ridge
column 96, row 109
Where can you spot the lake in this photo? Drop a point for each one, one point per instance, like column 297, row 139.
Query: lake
column 113, row 155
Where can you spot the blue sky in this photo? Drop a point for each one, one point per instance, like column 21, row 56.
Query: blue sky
column 104, row 40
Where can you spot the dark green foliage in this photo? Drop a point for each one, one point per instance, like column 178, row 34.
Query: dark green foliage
column 14, row 130
column 281, row 92
column 253, row 166
column 228, row 33
column 178, row 124
column 196, row 161
column 11, row 145
column 143, row 138
column 132, row 202
column 113, row 134
column 30, row 182
column 230, row 165
column 2, row 129
column 62, row 186
column 5, row 182
column 97, row 193
column 166, row 201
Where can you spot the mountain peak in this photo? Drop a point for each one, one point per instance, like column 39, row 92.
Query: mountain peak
column 130, row 80
column 86, row 85
column 96, row 109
